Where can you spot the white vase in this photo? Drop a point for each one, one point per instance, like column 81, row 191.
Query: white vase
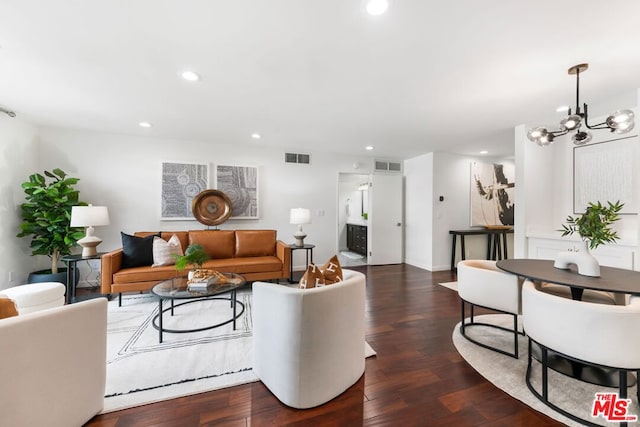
column 587, row 264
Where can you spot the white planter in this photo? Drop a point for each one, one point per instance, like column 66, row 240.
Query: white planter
column 587, row 264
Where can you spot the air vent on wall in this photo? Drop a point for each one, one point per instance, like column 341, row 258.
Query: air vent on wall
column 297, row 158
column 388, row 166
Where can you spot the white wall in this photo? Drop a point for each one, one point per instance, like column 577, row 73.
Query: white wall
column 123, row 173
column 428, row 221
column 418, row 212
column 18, row 160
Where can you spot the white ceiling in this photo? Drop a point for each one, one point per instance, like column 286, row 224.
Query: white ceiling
column 453, row 76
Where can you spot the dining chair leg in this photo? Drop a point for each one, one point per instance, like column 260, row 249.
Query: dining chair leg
column 545, row 374
column 515, row 335
column 622, row 393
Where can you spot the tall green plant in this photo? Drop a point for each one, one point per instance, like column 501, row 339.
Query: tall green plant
column 46, row 215
column 594, row 225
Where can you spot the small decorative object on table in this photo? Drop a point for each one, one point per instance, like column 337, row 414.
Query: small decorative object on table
column 594, row 227
column 194, row 255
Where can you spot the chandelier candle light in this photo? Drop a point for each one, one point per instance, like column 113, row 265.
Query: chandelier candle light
column 619, row 122
column 89, row 216
column 300, row 216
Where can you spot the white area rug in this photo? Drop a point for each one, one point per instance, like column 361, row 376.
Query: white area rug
column 450, row 285
column 508, row 373
column 140, row 370
column 351, row 255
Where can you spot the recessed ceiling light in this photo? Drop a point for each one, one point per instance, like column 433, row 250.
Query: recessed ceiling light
column 369, row 147
column 484, row 152
column 190, row 76
column 562, row 108
column 256, row 136
column 377, row 7
column 144, row 124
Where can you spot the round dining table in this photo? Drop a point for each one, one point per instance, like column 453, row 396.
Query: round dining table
column 616, row 280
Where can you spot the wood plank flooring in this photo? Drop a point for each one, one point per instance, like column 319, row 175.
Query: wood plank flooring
column 417, row 378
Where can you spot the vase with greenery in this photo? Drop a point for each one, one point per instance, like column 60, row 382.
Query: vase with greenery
column 594, row 228
column 194, row 255
column 46, row 214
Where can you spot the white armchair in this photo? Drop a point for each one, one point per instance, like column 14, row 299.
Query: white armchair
column 308, row 344
column 585, row 332
column 481, row 283
column 53, row 365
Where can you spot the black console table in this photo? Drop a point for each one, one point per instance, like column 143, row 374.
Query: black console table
column 496, row 242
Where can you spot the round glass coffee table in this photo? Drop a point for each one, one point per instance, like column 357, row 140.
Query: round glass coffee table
column 176, row 289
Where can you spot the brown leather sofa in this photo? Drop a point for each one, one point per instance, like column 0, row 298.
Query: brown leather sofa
column 256, row 254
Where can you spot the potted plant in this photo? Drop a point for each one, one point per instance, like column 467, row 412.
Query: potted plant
column 46, row 216
column 594, row 228
column 193, row 255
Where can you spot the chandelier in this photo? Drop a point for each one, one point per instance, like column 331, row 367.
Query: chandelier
column 619, row 122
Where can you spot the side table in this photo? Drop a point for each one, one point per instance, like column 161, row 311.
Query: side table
column 496, row 243
column 308, row 253
column 72, row 270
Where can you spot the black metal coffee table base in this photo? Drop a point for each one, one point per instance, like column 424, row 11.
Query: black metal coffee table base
column 157, row 320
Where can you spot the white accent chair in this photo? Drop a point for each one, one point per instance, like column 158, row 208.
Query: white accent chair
column 308, row 344
column 588, row 295
column 594, row 334
column 53, row 365
column 481, row 283
column 35, row 296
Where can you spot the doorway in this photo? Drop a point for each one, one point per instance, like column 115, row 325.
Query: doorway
column 353, row 205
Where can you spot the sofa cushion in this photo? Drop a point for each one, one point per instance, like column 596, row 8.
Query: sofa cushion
column 165, row 252
column 183, row 236
column 216, row 243
column 137, row 251
column 166, row 235
column 332, row 271
column 7, row 308
column 246, row 264
column 255, row 243
column 312, row 278
column 146, row 274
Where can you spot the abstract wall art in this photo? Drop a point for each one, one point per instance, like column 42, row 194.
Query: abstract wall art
column 492, row 194
column 240, row 183
column 181, row 182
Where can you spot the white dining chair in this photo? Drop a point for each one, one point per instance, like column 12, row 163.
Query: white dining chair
column 587, row 333
column 481, row 283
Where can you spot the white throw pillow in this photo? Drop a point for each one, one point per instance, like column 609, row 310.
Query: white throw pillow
column 164, row 251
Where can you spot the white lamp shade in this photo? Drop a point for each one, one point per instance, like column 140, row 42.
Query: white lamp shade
column 300, row 216
column 89, row 216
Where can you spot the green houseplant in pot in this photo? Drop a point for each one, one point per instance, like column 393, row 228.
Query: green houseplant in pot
column 46, row 217
column 594, row 228
column 194, row 255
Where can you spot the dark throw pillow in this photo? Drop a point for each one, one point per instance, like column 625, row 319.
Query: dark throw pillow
column 137, row 251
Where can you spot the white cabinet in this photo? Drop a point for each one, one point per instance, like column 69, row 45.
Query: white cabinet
column 619, row 256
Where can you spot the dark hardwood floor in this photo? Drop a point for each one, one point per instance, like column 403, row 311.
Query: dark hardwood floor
column 417, row 378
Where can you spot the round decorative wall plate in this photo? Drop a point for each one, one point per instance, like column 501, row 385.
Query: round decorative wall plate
column 211, row 207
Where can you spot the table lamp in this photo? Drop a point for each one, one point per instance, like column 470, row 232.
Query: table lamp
column 300, row 216
column 89, row 216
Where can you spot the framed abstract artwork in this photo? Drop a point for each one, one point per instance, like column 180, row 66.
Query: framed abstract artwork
column 606, row 172
column 240, row 183
column 181, row 182
column 492, row 194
